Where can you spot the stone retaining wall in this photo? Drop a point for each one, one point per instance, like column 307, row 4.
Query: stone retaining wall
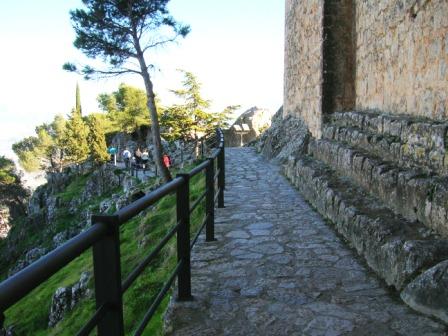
column 404, row 139
column 400, row 252
column 411, row 193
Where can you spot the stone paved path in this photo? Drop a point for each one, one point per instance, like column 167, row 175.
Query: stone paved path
column 278, row 269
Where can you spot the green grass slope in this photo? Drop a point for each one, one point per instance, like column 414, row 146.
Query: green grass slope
column 138, row 238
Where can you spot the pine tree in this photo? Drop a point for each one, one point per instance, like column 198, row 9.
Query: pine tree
column 195, row 105
column 97, row 140
column 193, row 116
column 121, row 33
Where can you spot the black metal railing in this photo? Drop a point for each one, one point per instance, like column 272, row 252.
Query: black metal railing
column 104, row 238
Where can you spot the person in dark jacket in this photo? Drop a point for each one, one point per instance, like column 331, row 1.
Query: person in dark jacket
column 138, row 156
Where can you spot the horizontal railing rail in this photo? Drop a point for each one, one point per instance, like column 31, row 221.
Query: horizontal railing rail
column 104, row 238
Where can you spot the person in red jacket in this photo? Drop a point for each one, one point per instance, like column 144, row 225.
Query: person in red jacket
column 166, row 160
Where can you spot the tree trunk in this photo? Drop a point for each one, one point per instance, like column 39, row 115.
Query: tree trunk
column 139, row 134
column 157, row 152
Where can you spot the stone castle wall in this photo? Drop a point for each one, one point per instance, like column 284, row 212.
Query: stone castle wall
column 402, row 57
column 377, row 166
column 303, row 61
column 390, row 55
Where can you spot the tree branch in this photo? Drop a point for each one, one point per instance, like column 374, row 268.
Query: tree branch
column 159, row 43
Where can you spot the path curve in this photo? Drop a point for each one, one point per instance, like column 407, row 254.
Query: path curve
column 278, row 269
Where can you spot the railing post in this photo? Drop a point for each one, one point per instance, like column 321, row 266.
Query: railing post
column 183, row 239
column 107, row 273
column 221, row 177
column 210, row 201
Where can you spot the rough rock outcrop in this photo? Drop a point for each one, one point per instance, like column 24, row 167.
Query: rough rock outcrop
column 44, row 202
column 101, row 181
column 65, row 299
column 13, row 195
column 256, row 119
column 30, row 257
column 4, row 222
column 286, row 136
column 60, row 238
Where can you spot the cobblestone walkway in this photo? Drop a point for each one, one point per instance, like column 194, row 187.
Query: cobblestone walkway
column 278, row 269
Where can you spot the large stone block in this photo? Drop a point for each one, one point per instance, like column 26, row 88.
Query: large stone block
column 428, row 293
column 399, row 261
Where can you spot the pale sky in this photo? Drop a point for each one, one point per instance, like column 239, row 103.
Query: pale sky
column 235, row 48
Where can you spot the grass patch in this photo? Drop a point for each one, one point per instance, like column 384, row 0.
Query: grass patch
column 74, row 189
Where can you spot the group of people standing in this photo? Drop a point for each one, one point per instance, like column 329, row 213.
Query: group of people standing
column 141, row 158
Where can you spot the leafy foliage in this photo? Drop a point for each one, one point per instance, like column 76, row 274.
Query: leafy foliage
column 126, row 108
column 76, row 146
column 176, row 123
column 24, row 149
column 97, row 140
column 7, row 172
column 64, row 141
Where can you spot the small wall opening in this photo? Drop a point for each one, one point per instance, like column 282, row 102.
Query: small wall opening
column 338, row 88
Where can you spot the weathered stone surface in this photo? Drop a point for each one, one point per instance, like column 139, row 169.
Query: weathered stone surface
column 303, row 62
column 428, row 293
column 297, row 278
column 102, row 181
column 400, row 58
column 4, row 222
column 30, row 256
column 60, row 238
column 286, row 136
column 60, row 304
column 410, row 142
column 65, row 298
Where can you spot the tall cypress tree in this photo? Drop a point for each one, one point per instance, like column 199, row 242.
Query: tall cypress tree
column 78, row 100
